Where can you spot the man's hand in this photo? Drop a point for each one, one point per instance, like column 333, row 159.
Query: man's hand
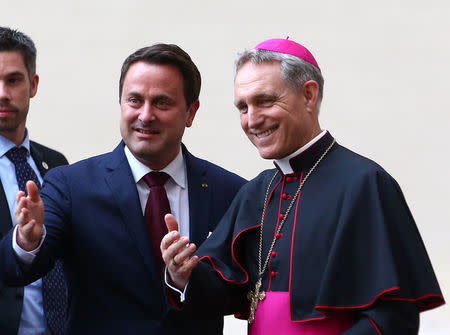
column 176, row 252
column 29, row 215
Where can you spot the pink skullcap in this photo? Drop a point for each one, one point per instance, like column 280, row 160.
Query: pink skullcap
column 289, row 47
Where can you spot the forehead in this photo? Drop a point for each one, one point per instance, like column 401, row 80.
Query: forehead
column 12, row 61
column 256, row 78
column 153, row 75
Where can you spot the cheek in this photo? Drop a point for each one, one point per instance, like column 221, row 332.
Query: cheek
column 127, row 116
column 244, row 122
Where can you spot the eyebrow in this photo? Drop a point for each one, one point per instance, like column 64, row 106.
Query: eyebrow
column 16, row 74
column 256, row 97
column 133, row 94
column 162, row 97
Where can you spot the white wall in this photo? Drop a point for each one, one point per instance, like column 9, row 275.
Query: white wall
column 386, row 85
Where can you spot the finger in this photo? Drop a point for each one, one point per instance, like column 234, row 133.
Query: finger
column 21, row 202
column 188, row 266
column 19, row 195
column 21, row 211
column 185, row 254
column 33, row 191
column 171, row 222
column 23, row 217
column 173, row 248
column 168, row 239
column 27, row 228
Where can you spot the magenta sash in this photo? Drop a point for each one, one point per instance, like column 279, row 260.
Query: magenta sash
column 273, row 317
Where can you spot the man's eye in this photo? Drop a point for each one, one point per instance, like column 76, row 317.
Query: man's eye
column 163, row 104
column 242, row 109
column 134, row 101
column 266, row 102
column 13, row 80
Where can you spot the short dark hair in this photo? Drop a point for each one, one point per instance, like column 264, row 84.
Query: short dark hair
column 14, row 40
column 167, row 54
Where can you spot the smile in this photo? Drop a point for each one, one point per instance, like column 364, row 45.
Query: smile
column 142, row 131
column 265, row 133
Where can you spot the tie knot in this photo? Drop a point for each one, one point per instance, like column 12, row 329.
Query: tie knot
column 156, row 178
column 17, row 155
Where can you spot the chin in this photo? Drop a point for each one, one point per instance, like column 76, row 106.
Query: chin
column 266, row 155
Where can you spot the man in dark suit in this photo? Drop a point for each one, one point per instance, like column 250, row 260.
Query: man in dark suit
column 29, row 310
column 96, row 210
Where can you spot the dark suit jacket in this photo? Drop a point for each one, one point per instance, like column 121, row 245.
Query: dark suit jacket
column 11, row 298
column 95, row 224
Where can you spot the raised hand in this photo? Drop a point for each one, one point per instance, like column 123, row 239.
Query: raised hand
column 29, row 213
column 176, row 252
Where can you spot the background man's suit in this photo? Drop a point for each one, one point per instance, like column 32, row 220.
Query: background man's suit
column 11, row 298
column 113, row 285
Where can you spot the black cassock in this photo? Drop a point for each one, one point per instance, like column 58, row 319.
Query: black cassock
column 349, row 243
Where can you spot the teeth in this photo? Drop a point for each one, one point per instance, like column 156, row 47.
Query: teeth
column 266, row 133
column 144, row 131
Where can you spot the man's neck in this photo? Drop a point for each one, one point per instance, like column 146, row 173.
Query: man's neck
column 284, row 163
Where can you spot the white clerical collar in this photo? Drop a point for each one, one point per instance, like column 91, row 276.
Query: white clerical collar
column 283, row 163
column 175, row 169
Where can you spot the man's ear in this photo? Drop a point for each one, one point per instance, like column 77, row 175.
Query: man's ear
column 192, row 110
column 310, row 90
column 34, row 85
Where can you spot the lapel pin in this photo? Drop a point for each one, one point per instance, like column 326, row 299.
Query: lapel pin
column 45, row 165
column 205, row 185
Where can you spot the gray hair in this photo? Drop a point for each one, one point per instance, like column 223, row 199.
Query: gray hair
column 294, row 70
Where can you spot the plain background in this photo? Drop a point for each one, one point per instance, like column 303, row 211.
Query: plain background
column 385, row 63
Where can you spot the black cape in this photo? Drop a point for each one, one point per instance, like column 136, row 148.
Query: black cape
column 348, row 242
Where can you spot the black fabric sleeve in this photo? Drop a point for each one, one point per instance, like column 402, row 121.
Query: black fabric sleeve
column 209, row 295
column 387, row 318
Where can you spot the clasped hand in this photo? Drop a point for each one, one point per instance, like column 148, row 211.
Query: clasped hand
column 176, row 252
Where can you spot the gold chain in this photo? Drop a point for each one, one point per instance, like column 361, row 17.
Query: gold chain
column 261, row 270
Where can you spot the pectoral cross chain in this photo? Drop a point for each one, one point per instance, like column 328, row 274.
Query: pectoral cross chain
column 255, row 297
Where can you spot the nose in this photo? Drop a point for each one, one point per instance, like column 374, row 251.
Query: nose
column 4, row 92
column 146, row 113
column 254, row 117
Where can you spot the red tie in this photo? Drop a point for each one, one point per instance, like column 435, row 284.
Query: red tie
column 157, row 206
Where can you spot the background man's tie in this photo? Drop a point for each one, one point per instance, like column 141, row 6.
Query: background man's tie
column 54, row 289
column 157, row 206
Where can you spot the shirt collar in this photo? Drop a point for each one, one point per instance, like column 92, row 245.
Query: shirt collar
column 175, row 169
column 284, row 164
column 6, row 144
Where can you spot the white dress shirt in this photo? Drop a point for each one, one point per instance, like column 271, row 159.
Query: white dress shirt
column 176, row 187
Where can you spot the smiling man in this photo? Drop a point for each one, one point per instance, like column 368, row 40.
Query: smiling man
column 104, row 215
column 324, row 243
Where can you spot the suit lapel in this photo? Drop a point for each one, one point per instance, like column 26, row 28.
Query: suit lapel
column 123, row 188
column 38, row 158
column 5, row 215
column 199, row 198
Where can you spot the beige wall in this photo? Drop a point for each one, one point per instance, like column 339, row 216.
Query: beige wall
column 386, row 69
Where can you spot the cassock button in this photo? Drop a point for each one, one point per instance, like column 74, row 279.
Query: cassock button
column 274, row 254
column 273, row 273
column 281, row 216
column 291, row 179
column 286, row 196
column 278, row 235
